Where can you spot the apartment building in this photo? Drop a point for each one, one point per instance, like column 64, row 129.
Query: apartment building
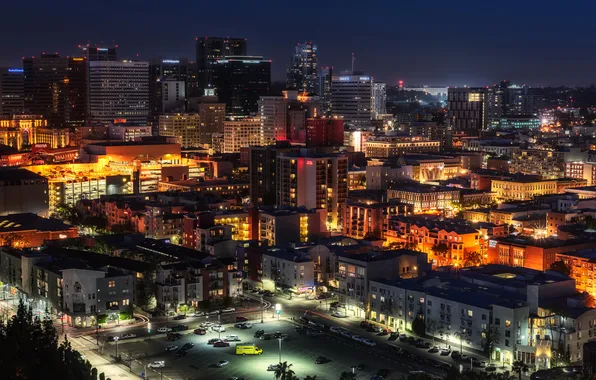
column 425, row 197
column 522, row 188
column 393, row 147
column 368, row 218
column 293, row 271
column 355, row 270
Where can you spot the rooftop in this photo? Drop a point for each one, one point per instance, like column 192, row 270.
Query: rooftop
column 373, row 256
column 29, row 221
column 18, row 174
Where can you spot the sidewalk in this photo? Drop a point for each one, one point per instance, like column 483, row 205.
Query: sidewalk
column 103, row 364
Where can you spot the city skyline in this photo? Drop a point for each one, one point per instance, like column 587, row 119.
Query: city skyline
column 433, row 43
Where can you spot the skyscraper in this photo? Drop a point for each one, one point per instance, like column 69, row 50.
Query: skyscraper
column 240, row 81
column 11, row 91
column 352, row 98
column 262, row 169
column 213, row 116
column 324, row 80
column 75, row 89
column 302, row 70
column 379, row 99
column 210, row 49
column 44, row 87
column 118, row 90
column 241, row 133
column 167, row 87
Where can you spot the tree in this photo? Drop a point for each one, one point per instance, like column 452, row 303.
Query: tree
column 14, row 241
column 440, row 250
column 347, row 376
column 473, row 259
column 29, row 349
column 411, row 245
column 95, row 223
column 284, row 372
column 68, row 214
column 519, row 367
column 561, row 267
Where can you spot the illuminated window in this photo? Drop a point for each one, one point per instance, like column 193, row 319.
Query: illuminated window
column 507, row 323
column 111, row 284
column 470, row 313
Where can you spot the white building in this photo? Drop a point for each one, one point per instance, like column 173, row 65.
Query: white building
column 379, row 99
column 128, row 132
column 241, row 133
column 118, row 91
column 288, row 270
column 273, row 114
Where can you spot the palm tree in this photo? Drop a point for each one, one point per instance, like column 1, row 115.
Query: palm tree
column 519, row 367
column 347, row 376
column 285, row 372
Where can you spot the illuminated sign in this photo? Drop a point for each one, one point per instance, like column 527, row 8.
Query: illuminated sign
column 309, row 162
column 170, row 61
column 344, row 78
column 364, row 78
column 78, row 59
column 102, row 49
column 15, row 70
column 492, row 243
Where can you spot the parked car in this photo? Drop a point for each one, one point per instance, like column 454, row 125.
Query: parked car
column 272, row 367
column 206, row 325
column 265, row 336
column 163, row 329
column 241, row 319
column 111, row 338
column 490, row 368
column 279, row 335
column 181, row 353
column 128, row 336
column 321, row 360
column 180, row 317
column 338, row 314
column 232, row 338
column 221, row 343
column 222, row 363
column 433, row 350
column 218, row 328
column 369, row 342
column 174, row 336
column 157, row 364
column 445, row 351
column 228, row 310
column 200, row 331
column 179, row 328
column 199, row 314
column 214, row 312
column 171, row 347
column 188, row 346
column 213, row 340
column 259, row 333
column 403, row 337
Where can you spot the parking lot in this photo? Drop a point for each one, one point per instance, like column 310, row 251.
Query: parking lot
column 298, row 349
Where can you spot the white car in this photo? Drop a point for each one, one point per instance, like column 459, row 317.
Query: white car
column 163, row 329
column 228, row 310
column 232, row 338
column 222, row 363
column 157, row 364
column 199, row 314
column 338, row 314
column 171, row 348
column 369, row 342
column 335, row 329
column 358, row 338
column 206, row 325
column 218, row 328
column 214, row 312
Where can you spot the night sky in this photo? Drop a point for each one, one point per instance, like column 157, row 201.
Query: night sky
column 422, row 42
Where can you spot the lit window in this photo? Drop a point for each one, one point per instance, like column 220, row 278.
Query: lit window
column 125, row 302
column 470, row 313
column 111, row 284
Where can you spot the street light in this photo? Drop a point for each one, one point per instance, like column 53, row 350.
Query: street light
column 116, row 339
column 149, row 329
column 278, row 310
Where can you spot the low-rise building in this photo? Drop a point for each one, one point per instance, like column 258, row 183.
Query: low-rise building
column 385, row 147
column 425, row 197
column 522, row 188
column 29, row 230
column 288, row 270
column 355, row 270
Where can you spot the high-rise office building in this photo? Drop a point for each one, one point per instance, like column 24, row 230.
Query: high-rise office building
column 273, row 115
column 75, row 90
column 118, row 91
column 302, row 70
column 241, row 133
column 466, row 110
column 185, row 126
column 314, row 180
column 379, row 99
column 210, row 49
column 99, row 53
column 352, row 98
column 240, row 81
column 507, row 99
column 11, row 91
column 324, row 79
